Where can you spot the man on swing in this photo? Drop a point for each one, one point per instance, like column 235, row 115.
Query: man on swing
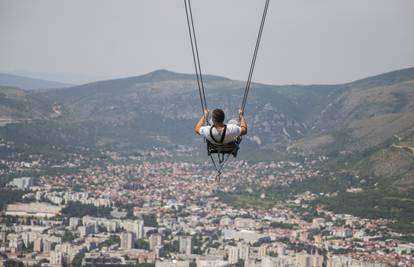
column 220, row 133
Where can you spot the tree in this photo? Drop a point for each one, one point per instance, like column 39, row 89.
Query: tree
column 142, row 244
column 68, row 236
column 272, row 254
column 13, row 263
column 113, row 239
column 150, row 220
column 240, row 263
column 77, row 261
column 77, row 209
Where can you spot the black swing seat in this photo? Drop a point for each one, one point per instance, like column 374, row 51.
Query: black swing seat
column 222, row 149
column 229, row 148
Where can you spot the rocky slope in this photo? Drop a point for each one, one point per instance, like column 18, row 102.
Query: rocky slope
column 367, row 124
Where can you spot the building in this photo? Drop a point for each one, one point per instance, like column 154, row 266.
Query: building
column 155, row 240
column 35, row 209
column 172, row 264
column 346, row 261
column 277, row 262
column 56, row 259
column 99, row 259
column 127, row 240
column 22, row 183
column 86, row 230
column 38, row 245
column 343, row 232
column 226, row 221
column 233, row 254
column 244, row 223
column 74, row 222
column 309, row 260
column 244, row 251
column 136, row 227
column 3, row 236
column 262, row 251
column 16, row 243
column 211, row 261
column 47, row 245
column 186, row 245
column 239, row 252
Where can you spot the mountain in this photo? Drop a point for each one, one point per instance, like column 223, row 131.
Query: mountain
column 28, row 83
column 18, row 106
column 370, row 125
column 365, row 127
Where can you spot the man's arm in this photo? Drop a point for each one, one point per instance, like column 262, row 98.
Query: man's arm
column 243, row 124
column 201, row 122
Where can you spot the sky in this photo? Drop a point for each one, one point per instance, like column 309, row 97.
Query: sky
column 304, row 41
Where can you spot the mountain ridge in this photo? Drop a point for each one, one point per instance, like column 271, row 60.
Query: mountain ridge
column 352, row 122
column 28, row 83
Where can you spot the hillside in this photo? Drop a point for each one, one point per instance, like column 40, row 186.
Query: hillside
column 371, row 127
column 18, row 106
column 366, row 126
column 152, row 105
column 28, row 83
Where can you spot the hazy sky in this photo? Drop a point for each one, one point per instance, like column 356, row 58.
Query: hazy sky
column 305, row 41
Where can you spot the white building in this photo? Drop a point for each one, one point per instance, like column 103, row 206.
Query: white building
column 127, row 240
column 244, row 251
column 211, row 261
column 186, row 246
column 226, row 221
column 233, row 254
column 15, row 243
column 155, row 240
column 74, row 222
column 136, row 227
column 309, row 260
column 343, row 232
column 239, row 252
column 56, row 259
column 86, row 230
column 38, row 245
column 47, row 245
column 172, row 264
column 346, row 261
column 244, row 223
column 35, row 209
column 277, row 262
column 22, row 183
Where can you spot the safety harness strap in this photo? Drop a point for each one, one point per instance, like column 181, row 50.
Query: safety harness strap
column 223, row 135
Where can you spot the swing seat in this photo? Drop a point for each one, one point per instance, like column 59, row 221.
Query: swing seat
column 229, row 148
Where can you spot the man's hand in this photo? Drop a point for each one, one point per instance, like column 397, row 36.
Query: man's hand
column 241, row 113
column 201, row 121
column 243, row 124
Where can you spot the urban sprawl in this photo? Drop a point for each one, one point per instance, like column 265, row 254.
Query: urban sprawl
column 164, row 213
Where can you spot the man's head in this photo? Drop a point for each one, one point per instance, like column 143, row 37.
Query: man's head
column 218, row 116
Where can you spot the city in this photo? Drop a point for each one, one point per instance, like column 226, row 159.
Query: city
column 160, row 213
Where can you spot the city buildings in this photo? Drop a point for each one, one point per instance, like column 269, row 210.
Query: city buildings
column 187, row 221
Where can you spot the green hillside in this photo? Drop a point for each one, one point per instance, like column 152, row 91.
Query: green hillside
column 365, row 127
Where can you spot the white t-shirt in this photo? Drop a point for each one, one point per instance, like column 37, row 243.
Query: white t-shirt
column 232, row 132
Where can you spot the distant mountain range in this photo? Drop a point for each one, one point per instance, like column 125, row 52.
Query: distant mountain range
column 366, row 126
column 29, row 83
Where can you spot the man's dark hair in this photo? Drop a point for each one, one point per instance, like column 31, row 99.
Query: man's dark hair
column 218, row 116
